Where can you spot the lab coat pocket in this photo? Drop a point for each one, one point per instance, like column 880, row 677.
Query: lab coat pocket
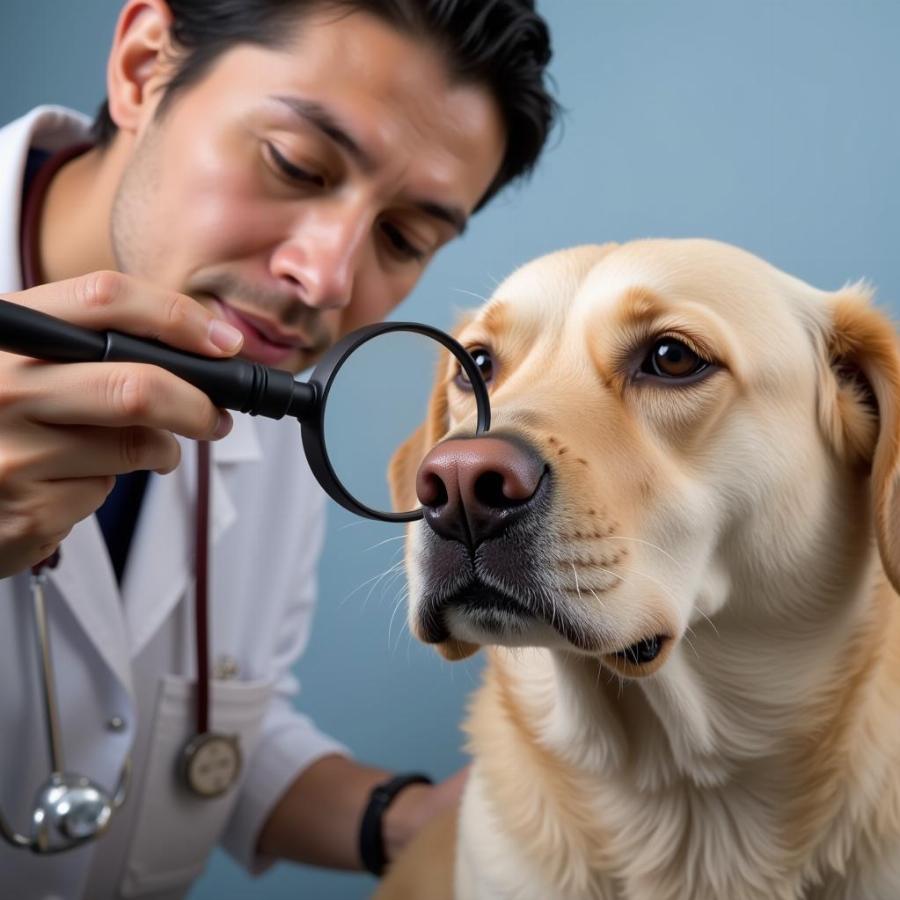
column 176, row 829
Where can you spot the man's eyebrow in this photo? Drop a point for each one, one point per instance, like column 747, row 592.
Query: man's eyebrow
column 322, row 118
column 452, row 214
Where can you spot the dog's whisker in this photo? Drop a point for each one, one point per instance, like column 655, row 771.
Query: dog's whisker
column 362, row 584
column 689, row 642
column 575, row 573
column 667, row 591
column 599, row 599
column 401, row 600
column 474, row 294
column 610, row 572
column 353, row 524
column 390, row 582
column 619, row 537
column 708, row 620
column 375, row 578
column 398, row 537
column 393, row 568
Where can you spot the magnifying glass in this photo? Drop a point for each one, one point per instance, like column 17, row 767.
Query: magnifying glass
column 367, row 394
column 360, row 402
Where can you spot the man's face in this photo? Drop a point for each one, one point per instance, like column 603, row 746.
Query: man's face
column 300, row 192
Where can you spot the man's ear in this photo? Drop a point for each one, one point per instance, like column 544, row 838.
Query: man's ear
column 140, row 62
column 860, row 408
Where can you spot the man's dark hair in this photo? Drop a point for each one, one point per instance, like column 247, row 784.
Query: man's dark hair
column 502, row 44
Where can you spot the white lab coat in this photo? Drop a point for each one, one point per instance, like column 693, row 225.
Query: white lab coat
column 125, row 659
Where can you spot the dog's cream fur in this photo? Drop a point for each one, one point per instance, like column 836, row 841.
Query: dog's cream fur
column 753, row 518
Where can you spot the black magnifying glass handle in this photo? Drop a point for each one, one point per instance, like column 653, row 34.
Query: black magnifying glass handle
column 236, row 384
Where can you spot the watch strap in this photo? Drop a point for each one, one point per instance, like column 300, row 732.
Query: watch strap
column 371, row 837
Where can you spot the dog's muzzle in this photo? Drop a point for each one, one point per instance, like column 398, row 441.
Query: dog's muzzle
column 485, row 502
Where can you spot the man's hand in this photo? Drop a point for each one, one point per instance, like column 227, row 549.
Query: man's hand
column 66, row 430
column 317, row 819
column 417, row 805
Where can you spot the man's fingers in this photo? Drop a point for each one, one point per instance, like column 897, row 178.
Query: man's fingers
column 59, row 453
column 32, row 529
column 111, row 300
column 118, row 395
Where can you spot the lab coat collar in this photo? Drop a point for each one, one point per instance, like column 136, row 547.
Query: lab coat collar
column 241, row 444
column 50, row 128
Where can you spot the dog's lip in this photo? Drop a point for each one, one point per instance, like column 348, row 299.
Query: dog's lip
column 474, row 593
column 484, row 596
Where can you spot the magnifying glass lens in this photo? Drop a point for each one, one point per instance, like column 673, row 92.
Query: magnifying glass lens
column 377, row 400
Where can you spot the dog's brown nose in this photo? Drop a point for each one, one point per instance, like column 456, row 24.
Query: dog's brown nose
column 473, row 488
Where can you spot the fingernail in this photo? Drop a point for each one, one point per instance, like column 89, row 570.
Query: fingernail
column 223, row 426
column 226, row 337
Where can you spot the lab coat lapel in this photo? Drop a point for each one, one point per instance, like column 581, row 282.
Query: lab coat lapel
column 161, row 569
column 84, row 577
column 87, row 583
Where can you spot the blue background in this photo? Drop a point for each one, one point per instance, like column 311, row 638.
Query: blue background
column 772, row 124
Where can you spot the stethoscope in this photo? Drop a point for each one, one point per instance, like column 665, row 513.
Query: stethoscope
column 70, row 809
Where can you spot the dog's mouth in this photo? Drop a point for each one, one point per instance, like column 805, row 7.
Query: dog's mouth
column 640, row 658
column 481, row 613
column 478, row 613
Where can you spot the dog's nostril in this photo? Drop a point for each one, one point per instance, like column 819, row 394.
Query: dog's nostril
column 432, row 491
column 489, row 491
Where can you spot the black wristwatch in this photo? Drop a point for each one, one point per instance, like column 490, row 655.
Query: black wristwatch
column 371, row 839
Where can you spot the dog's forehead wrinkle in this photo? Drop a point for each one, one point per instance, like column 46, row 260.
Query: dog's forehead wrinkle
column 750, row 294
column 539, row 293
column 561, row 270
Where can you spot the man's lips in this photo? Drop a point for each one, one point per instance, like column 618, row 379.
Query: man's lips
column 264, row 341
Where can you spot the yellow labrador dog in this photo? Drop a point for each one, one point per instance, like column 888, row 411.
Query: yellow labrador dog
column 681, row 540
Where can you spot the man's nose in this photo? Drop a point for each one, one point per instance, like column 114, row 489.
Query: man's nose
column 472, row 489
column 321, row 256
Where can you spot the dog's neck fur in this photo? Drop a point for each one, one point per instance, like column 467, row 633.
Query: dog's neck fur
column 753, row 713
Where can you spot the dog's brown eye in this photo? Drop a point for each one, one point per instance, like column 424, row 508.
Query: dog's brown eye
column 485, row 363
column 669, row 358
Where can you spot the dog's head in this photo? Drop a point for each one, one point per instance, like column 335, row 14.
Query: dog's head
column 678, row 429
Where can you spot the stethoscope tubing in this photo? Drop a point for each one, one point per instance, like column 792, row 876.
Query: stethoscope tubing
column 58, row 778
column 48, row 676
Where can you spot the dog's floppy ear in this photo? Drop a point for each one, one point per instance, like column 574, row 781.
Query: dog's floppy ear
column 860, row 408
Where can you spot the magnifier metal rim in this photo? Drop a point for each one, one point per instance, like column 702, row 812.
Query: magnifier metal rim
column 313, row 430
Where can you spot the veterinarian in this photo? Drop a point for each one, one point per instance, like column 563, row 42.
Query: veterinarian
column 262, row 178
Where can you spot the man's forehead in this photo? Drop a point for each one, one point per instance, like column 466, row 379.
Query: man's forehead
column 382, row 98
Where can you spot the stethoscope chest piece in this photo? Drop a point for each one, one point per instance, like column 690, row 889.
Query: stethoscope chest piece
column 68, row 810
column 211, row 763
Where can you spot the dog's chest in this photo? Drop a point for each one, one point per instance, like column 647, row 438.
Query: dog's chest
column 607, row 837
column 689, row 841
